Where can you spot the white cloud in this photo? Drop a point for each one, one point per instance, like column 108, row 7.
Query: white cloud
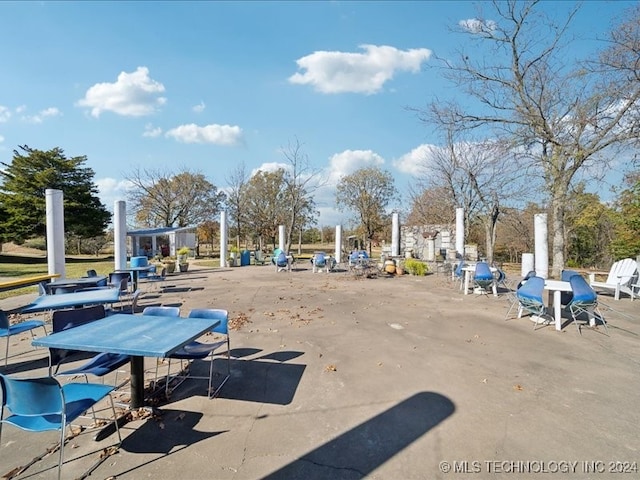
column 270, row 167
column 1, row 139
column 199, row 108
column 42, row 114
column 133, row 94
column 340, row 72
column 151, row 131
column 475, row 25
column 21, row 108
column 111, row 190
column 216, row 134
column 5, row 114
column 414, row 161
column 349, row 161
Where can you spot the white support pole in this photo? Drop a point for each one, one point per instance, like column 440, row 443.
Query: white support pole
column 120, row 234
column 395, row 234
column 541, row 245
column 281, row 237
column 460, row 232
column 54, row 202
column 223, row 239
column 338, row 251
column 528, row 264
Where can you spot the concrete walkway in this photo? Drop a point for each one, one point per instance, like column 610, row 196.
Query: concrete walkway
column 383, row 378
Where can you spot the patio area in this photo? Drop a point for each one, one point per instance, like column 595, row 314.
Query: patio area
column 346, row 377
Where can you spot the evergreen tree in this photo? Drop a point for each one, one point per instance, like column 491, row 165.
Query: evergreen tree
column 22, row 195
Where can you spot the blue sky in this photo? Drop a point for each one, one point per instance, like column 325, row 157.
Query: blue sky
column 208, row 85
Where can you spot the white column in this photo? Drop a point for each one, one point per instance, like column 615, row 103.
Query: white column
column 223, row 239
column 460, row 232
column 338, row 252
column 281, row 237
column 395, row 234
column 120, row 234
column 431, row 249
column 54, row 202
column 527, row 264
column 541, row 245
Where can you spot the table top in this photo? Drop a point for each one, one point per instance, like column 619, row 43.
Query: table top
column 146, row 268
column 80, row 282
column 557, row 285
column 69, row 300
column 127, row 334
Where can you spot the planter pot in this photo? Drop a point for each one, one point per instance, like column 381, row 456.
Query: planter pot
column 183, row 267
column 171, row 267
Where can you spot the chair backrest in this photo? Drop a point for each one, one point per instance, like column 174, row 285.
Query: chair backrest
column 162, row 311
column 458, row 271
column 120, row 279
column 218, row 314
column 4, row 320
column 319, row 259
column 566, row 275
column 483, row 271
column 92, row 273
column 582, row 291
column 622, row 272
column 66, row 319
column 281, row 259
column 34, row 397
column 532, row 289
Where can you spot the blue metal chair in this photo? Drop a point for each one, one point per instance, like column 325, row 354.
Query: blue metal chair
column 162, row 311
column 565, row 276
column 43, row 404
column 483, row 277
column 200, row 350
column 530, row 299
column 7, row 330
column 585, row 300
column 282, row 262
column 512, row 293
column 319, row 261
column 458, row 273
column 101, row 364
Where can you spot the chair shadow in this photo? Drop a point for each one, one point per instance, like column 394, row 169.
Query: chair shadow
column 362, row 449
column 244, row 352
column 25, row 366
column 280, row 356
column 251, row 381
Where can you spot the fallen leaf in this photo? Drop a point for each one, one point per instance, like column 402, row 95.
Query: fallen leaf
column 518, row 387
column 330, row 368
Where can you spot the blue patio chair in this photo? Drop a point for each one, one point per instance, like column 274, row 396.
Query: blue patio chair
column 483, row 277
column 282, row 262
column 162, row 311
column 530, row 299
column 319, row 262
column 565, row 276
column 99, row 365
column 458, row 273
column 7, row 330
column 585, row 300
column 43, row 404
column 200, row 350
column 512, row 293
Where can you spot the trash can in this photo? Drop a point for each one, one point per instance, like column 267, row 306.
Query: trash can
column 245, row 258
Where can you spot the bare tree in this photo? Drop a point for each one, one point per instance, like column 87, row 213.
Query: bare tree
column 164, row 199
column 237, row 199
column 301, row 181
column 367, row 192
column 570, row 119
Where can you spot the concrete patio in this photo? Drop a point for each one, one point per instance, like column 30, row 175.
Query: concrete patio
column 383, row 378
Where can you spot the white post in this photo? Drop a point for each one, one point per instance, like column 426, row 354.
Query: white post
column 395, row 234
column 541, row 245
column 55, row 231
column 223, row 239
column 527, row 264
column 120, row 234
column 431, row 249
column 281, row 237
column 338, row 252
column 460, row 232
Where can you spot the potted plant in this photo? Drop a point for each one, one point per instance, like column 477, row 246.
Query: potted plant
column 170, row 263
column 183, row 255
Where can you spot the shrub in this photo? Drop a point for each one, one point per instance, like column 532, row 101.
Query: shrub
column 415, row 267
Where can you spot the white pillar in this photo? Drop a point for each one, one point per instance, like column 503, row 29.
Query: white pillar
column 395, row 234
column 541, row 245
column 281, row 237
column 431, row 249
column 338, row 252
column 527, row 264
column 54, row 202
column 223, row 239
column 460, row 232
column 120, row 234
